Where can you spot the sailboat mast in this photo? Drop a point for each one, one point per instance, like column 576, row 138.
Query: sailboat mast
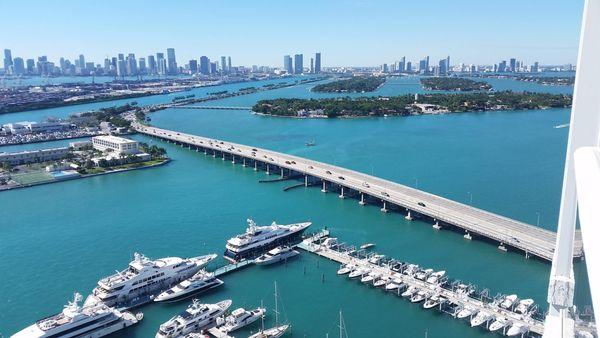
column 276, row 309
column 341, row 323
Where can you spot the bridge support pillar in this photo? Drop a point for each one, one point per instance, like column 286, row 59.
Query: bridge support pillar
column 281, row 172
column 233, row 159
column 437, row 225
column 306, row 180
column 244, row 162
column 214, row 154
column 223, row 153
column 324, row 186
column 384, row 208
column 255, row 165
column 409, row 216
column 362, row 199
column 342, row 193
column 205, row 151
column 526, row 255
column 268, row 172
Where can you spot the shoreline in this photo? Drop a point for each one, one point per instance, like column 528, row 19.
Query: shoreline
column 166, row 161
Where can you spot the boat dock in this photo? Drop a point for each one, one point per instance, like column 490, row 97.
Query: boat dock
column 506, row 233
column 455, row 299
column 232, row 267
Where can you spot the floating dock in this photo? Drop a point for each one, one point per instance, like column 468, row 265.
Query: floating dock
column 455, row 300
column 505, row 232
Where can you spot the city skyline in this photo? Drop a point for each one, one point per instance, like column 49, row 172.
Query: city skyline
column 261, row 32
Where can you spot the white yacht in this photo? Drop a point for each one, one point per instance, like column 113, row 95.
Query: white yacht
column 418, row 297
column 144, row 278
column 239, row 318
column 433, row 301
column 423, row 274
column 358, row 272
column 498, row 324
column 394, row 284
column 344, row 269
column 381, row 282
column 435, row 277
column 273, row 332
column 523, row 306
column 200, row 282
column 373, row 276
column 410, row 291
column 508, row 301
column 375, row 259
column 280, row 253
column 411, row 269
column 195, row 318
column 517, row 329
column 83, row 322
column 481, row 317
column 467, row 311
column 258, row 239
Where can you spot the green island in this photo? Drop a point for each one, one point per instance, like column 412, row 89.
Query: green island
column 355, row 84
column 410, row 104
column 453, row 84
column 548, row 80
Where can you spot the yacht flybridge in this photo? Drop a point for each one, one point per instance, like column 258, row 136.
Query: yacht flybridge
column 145, row 278
column 83, row 322
column 258, row 239
column 202, row 281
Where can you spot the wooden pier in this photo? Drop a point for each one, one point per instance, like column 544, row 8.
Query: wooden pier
column 506, row 233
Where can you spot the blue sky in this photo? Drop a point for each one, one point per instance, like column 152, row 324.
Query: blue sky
column 347, row 32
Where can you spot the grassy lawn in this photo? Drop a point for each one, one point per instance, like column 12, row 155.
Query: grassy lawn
column 32, row 178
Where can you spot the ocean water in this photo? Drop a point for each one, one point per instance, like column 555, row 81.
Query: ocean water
column 63, row 237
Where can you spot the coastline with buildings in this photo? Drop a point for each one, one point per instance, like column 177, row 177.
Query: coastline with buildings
column 105, row 154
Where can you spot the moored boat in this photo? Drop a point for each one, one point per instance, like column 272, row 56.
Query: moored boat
column 280, row 253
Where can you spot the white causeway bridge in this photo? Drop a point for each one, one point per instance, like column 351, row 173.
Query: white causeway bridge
column 441, row 212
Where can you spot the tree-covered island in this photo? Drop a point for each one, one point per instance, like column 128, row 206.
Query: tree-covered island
column 356, row 84
column 453, row 84
column 410, row 104
column 549, row 80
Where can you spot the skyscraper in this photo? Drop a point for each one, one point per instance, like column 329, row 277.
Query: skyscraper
column 229, row 63
column 298, row 64
column 213, row 67
column 409, row 67
column 204, row 65
column 171, row 62
column 8, row 61
column 423, row 69
column 502, row 67
column 161, row 64
column 193, row 65
column 442, row 67
column 448, row 64
column 287, row 64
column 81, row 61
column 142, row 66
column 312, row 65
column 224, row 64
column 18, row 66
column 513, row 65
column 402, row 64
column 30, row 66
column 131, row 64
column 151, row 64
column 317, row 63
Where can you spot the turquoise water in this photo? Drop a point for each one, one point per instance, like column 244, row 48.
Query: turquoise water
column 63, row 237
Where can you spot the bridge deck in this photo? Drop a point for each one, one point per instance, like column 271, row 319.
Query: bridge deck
column 528, row 238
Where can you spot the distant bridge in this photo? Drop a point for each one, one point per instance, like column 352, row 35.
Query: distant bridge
column 210, row 107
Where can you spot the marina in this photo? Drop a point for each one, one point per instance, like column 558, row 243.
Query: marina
column 506, row 233
column 505, row 314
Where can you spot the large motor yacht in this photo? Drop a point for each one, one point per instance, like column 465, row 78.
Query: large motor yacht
column 76, row 321
column 202, row 281
column 259, row 239
column 144, row 278
column 195, row 318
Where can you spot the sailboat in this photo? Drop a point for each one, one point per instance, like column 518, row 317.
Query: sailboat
column 274, row 332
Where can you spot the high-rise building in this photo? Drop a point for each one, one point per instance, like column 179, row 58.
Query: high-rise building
column 8, row 61
column 312, row 65
column 30, row 66
column 317, row 63
column 502, row 67
column 409, row 67
column 402, row 64
column 384, row 68
column 229, row 63
column 213, row 67
column 151, row 64
column 171, row 62
column 448, row 64
column 81, row 61
column 131, row 65
column 142, row 66
column 204, row 65
column 536, row 67
column 121, row 68
column 18, row 66
column 224, row 64
column 298, row 64
column 442, row 69
column 161, row 64
column 423, row 69
column 513, row 65
column 287, row 64
column 193, row 65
